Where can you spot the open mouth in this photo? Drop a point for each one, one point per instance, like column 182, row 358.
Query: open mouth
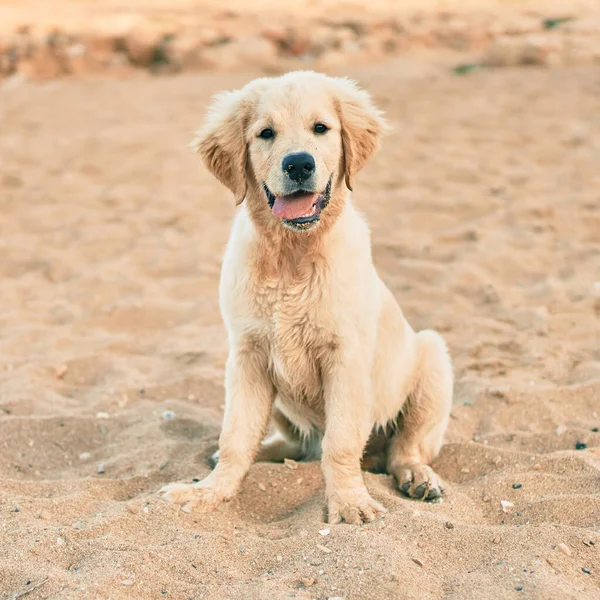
column 299, row 210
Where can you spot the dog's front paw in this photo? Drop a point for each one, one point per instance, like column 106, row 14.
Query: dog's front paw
column 192, row 496
column 419, row 481
column 354, row 507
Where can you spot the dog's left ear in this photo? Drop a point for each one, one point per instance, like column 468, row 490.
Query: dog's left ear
column 362, row 126
column 222, row 143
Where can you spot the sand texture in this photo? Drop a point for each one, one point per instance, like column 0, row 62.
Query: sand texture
column 485, row 213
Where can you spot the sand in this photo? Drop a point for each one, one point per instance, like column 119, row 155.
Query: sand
column 41, row 40
column 485, row 220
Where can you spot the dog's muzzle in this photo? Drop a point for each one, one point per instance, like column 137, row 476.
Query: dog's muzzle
column 301, row 209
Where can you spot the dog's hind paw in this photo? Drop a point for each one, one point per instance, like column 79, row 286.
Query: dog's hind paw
column 420, row 482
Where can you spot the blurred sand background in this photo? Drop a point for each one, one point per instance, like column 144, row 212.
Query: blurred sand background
column 485, row 211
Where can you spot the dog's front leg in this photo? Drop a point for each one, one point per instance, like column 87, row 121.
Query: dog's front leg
column 348, row 404
column 249, row 398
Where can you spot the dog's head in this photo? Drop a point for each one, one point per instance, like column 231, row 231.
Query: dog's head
column 290, row 145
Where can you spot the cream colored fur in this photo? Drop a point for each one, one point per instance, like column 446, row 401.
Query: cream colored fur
column 318, row 344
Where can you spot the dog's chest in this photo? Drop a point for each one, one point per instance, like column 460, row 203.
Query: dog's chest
column 297, row 337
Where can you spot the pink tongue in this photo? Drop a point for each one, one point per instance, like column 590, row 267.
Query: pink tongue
column 295, row 208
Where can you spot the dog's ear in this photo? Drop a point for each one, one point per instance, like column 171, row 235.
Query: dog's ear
column 222, row 143
column 362, row 126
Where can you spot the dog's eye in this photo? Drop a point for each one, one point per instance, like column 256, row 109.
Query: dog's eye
column 320, row 128
column 266, row 134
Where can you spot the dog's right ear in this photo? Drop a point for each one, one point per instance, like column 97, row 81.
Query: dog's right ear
column 222, row 143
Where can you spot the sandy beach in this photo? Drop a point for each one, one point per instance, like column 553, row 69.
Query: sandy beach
column 485, row 214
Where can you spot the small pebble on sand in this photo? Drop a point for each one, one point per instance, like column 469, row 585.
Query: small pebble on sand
column 168, row 415
column 100, row 469
column 449, row 525
column 85, row 456
column 564, row 549
column 560, row 429
column 586, row 571
column 517, row 486
column 61, row 371
column 324, row 531
column 506, row 505
column 290, row 464
column 497, row 539
column 323, row 548
column 102, row 415
column 127, row 582
column 262, row 487
column 580, row 445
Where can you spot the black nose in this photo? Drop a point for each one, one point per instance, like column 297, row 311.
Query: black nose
column 298, row 166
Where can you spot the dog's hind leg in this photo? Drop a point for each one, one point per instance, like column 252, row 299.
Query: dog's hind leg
column 374, row 457
column 284, row 442
column 423, row 421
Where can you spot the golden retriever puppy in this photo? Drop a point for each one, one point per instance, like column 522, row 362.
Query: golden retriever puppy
column 317, row 342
